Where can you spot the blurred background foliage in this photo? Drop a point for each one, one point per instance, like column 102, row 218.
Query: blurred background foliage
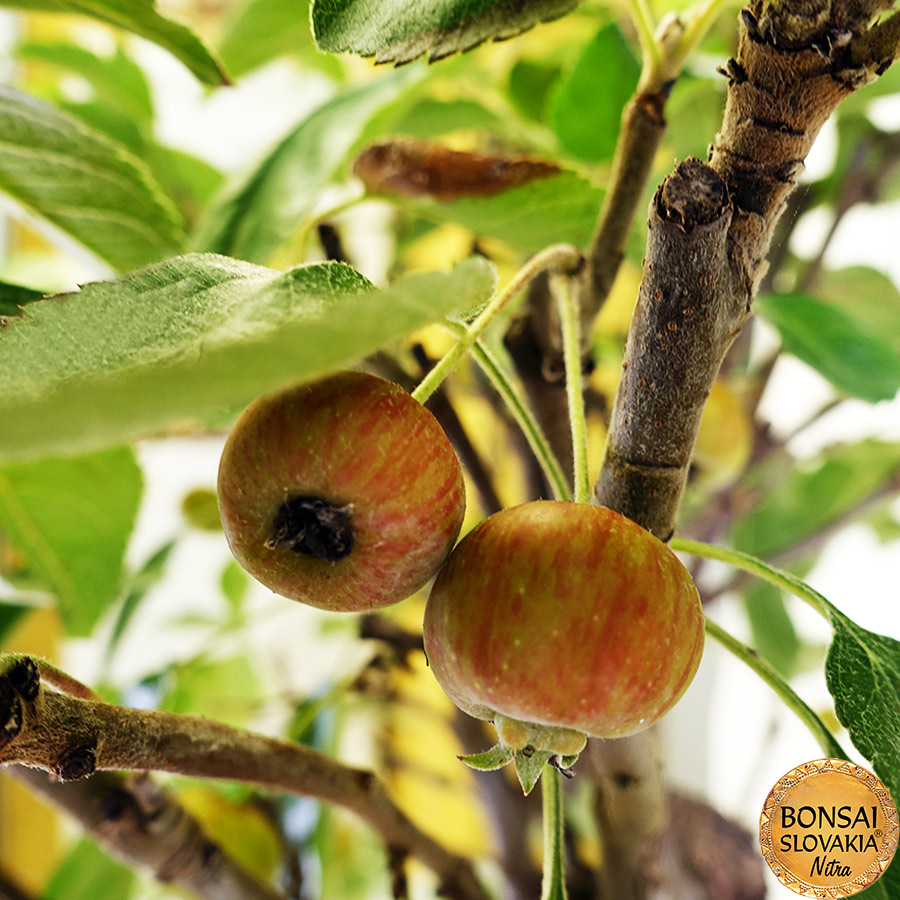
column 148, row 607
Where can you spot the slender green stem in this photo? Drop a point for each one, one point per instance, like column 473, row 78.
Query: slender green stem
column 553, row 885
column 768, row 674
column 696, row 30
column 570, row 320
column 674, row 43
column 521, row 412
column 747, row 563
column 559, row 257
column 645, row 26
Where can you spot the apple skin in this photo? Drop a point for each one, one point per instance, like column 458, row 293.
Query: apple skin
column 367, row 448
column 566, row 615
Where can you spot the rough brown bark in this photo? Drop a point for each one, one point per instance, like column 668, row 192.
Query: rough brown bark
column 710, row 230
column 71, row 738
column 687, row 314
column 144, row 826
column 643, row 127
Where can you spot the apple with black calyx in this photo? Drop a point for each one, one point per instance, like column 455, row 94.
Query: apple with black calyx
column 343, row 493
column 558, row 621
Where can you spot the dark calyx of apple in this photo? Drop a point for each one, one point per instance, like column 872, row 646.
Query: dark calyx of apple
column 311, row 526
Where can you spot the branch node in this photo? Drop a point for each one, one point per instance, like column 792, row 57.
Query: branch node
column 10, row 714
column 76, row 763
column 25, row 679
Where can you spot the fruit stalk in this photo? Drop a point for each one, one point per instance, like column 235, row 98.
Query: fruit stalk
column 787, row 694
column 553, row 885
column 558, row 257
column 518, row 408
column 570, row 321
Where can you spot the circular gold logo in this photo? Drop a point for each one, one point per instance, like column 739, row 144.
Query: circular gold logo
column 828, row 829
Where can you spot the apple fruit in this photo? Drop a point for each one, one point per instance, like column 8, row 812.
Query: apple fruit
column 558, row 620
column 343, row 493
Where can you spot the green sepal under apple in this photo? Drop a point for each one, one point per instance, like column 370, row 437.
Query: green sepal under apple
column 530, row 746
column 529, row 763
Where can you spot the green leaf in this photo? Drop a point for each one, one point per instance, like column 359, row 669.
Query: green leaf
column 83, row 183
column 856, row 360
column 530, row 85
column 495, row 758
column 399, row 31
column 122, row 108
column 140, row 17
column 71, row 519
column 88, row 873
column 150, row 574
column 774, row 635
column 13, row 297
column 258, row 31
column 559, row 209
column 117, row 80
column 228, row 690
column 235, row 584
column 256, row 214
column 586, row 110
column 529, row 767
column 190, row 181
column 813, row 495
column 430, row 116
column 194, row 339
column 869, row 296
column 862, row 672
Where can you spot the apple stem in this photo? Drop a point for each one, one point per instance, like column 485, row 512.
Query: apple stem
column 518, row 408
column 761, row 569
column 570, row 321
column 791, row 699
column 558, row 257
column 553, row 884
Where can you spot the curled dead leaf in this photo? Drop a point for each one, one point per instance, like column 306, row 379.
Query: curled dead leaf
column 420, row 168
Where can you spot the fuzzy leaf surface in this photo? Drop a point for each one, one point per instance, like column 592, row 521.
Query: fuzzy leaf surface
column 530, row 766
column 84, row 183
column 495, row 758
column 13, row 297
column 70, row 518
column 399, row 31
column 193, row 339
column 140, row 17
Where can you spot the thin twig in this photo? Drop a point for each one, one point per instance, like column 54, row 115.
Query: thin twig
column 71, row 738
